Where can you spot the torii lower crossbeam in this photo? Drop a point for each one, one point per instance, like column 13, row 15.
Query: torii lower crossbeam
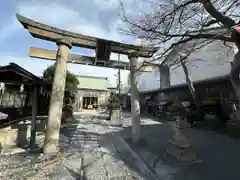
column 84, row 60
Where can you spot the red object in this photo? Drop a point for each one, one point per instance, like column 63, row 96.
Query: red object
column 237, row 27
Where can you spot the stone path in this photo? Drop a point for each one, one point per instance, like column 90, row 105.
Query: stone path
column 92, row 156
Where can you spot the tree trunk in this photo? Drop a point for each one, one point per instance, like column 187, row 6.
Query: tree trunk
column 225, row 20
column 234, row 74
column 228, row 23
column 235, row 70
column 190, row 85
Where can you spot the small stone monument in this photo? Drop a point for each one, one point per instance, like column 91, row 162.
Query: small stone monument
column 115, row 117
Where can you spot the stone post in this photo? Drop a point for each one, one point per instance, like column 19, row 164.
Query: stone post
column 81, row 103
column 135, row 106
column 125, row 101
column 51, row 142
column 34, row 118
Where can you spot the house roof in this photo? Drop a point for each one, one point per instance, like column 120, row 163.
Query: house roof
column 93, row 83
column 14, row 73
column 217, row 79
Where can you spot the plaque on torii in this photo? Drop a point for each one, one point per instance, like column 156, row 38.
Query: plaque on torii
column 103, row 48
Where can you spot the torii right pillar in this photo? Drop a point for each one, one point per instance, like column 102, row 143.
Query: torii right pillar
column 135, row 106
column 164, row 76
column 164, row 81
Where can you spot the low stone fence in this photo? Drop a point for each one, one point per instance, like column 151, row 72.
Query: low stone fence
column 18, row 134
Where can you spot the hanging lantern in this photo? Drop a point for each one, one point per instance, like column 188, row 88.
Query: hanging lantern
column 21, row 88
column 2, row 87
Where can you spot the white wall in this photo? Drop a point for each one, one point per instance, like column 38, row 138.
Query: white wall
column 149, row 80
column 207, row 62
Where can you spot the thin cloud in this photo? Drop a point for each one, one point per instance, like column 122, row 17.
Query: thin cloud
column 9, row 29
column 107, row 4
column 64, row 17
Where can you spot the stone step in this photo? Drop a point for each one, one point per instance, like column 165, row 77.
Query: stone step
column 183, row 152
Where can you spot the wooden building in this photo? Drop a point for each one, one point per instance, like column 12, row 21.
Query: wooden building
column 219, row 87
column 17, row 90
column 92, row 92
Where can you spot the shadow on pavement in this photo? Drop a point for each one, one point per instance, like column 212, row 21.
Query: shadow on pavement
column 218, row 154
column 100, row 157
column 92, row 155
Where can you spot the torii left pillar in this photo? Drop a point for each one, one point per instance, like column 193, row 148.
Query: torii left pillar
column 51, row 143
column 135, row 106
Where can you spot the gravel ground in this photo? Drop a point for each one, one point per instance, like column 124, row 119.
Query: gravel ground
column 26, row 166
column 90, row 156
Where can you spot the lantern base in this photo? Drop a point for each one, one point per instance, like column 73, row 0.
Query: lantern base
column 183, row 152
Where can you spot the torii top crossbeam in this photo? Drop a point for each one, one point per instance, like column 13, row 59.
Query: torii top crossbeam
column 49, row 33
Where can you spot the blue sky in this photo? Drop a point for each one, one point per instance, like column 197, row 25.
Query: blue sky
column 97, row 18
column 90, row 17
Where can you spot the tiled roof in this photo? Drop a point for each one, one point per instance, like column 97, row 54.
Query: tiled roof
column 20, row 71
column 94, row 83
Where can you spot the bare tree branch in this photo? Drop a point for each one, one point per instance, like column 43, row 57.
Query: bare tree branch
column 225, row 20
column 171, row 23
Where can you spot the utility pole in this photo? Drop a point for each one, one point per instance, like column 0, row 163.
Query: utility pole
column 119, row 78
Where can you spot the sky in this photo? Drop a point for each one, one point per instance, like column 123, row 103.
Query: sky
column 97, row 18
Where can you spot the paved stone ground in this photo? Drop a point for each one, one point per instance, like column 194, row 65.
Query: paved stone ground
column 218, row 154
column 92, row 155
column 89, row 154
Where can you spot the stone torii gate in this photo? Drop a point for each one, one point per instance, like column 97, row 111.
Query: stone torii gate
column 65, row 40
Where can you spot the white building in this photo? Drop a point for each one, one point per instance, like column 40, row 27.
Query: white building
column 210, row 61
column 149, row 80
